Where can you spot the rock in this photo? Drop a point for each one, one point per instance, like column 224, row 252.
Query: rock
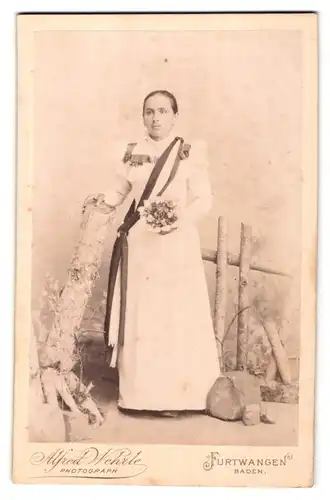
column 265, row 419
column 251, row 414
column 236, row 395
column 224, row 400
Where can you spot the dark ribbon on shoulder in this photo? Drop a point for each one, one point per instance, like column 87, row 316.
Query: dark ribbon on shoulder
column 120, row 250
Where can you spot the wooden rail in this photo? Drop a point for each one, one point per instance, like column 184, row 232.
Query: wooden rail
column 233, row 260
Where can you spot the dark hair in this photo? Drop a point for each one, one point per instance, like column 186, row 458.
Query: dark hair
column 165, row 93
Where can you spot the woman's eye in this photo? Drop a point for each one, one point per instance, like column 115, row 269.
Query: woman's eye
column 163, row 110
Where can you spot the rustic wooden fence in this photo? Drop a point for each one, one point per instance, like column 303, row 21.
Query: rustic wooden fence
column 222, row 259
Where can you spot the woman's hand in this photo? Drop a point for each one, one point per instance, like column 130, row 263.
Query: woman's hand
column 103, row 206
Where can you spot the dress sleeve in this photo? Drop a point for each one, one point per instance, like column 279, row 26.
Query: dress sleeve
column 199, row 188
column 119, row 185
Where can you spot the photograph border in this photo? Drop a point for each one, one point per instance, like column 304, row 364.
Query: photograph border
column 163, row 462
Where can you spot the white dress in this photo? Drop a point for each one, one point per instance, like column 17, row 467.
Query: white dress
column 169, row 359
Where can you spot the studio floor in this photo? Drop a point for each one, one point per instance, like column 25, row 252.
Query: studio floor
column 187, row 429
column 190, row 429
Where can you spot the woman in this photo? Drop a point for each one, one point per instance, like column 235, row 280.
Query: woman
column 158, row 315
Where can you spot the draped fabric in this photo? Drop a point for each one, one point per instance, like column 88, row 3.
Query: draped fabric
column 119, row 258
column 169, row 358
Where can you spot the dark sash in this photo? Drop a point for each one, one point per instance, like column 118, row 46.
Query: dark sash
column 120, row 250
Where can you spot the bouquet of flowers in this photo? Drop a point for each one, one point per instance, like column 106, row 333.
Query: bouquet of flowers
column 161, row 216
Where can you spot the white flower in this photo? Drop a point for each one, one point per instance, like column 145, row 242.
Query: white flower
column 160, row 215
column 147, row 203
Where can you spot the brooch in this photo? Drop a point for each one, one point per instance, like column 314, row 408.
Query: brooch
column 135, row 164
column 138, row 160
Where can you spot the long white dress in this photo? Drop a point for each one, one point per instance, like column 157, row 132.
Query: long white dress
column 169, row 359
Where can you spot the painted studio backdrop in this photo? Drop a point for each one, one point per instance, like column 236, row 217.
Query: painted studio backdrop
column 238, row 91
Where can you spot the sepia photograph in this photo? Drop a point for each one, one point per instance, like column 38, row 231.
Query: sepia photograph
column 168, row 244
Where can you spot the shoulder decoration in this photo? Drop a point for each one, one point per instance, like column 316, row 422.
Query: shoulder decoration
column 137, row 160
column 184, row 153
column 128, row 152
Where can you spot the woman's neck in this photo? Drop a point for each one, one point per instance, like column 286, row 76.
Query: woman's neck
column 160, row 139
column 157, row 139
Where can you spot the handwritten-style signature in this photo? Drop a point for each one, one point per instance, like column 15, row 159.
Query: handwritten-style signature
column 114, row 463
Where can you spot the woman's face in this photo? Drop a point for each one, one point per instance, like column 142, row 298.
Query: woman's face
column 158, row 116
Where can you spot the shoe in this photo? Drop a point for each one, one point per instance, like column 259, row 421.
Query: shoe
column 170, row 414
